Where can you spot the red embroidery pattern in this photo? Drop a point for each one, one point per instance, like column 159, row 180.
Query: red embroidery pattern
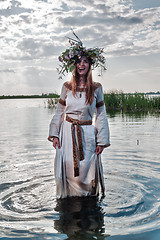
column 62, row 102
column 100, row 104
column 77, row 154
column 68, row 85
column 96, row 85
column 78, row 89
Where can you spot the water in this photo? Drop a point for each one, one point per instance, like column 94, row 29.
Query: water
column 28, row 207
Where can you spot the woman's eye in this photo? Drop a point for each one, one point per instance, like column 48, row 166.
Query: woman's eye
column 79, row 61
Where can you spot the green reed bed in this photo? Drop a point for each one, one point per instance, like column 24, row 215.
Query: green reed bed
column 50, row 95
column 52, row 102
column 119, row 101
column 123, row 102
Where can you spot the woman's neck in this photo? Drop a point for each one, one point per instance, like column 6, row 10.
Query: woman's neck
column 82, row 81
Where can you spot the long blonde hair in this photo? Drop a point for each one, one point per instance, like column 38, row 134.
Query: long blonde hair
column 89, row 85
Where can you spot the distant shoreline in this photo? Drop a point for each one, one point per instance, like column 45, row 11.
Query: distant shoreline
column 54, row 95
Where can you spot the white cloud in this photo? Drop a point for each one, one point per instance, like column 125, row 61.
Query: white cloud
column 4, row 4
column 114, row 27
column 35, row 30
column 7, row 71
column 149, row 70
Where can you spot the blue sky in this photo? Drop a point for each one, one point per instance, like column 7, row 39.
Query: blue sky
column 32, row 36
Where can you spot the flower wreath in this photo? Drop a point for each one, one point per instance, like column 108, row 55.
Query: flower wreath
column 76, row 50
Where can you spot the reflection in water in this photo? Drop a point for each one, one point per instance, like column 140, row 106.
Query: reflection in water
column 27, row 188
column 80, row 218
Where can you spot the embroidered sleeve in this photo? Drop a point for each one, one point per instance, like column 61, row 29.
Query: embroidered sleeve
column 63, row 102
column 68, row 85
column 96, row 85
column 99, row 104
column 101, row 121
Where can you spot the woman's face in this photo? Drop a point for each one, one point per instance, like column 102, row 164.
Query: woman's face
column 82, row 66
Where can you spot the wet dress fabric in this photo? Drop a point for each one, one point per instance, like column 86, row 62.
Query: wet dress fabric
column 78, row 169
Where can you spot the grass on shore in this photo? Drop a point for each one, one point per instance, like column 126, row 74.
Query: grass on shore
column 51, row 95
column 119, row 101
column 122, row 102
column 52, row 102
column 115, row 101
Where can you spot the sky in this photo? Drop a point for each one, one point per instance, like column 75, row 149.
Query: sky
column 33, row 35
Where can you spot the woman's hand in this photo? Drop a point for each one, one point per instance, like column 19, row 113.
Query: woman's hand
column 55, row 141
column 99, row 149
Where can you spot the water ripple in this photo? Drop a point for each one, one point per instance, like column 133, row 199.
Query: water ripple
column 28, row 207
column 27, row 200
column 132, row 203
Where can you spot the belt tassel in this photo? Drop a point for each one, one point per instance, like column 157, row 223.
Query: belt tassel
column 77, row 154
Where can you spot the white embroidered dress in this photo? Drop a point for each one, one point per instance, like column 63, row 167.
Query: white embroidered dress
column 90, row 175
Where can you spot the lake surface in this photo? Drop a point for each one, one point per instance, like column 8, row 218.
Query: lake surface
column 28, row 206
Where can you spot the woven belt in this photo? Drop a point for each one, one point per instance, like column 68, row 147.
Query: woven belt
column 77, row 154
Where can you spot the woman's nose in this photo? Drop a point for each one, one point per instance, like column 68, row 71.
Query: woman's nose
column 81, row 62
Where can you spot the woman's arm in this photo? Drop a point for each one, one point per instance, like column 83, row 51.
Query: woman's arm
column 101, row 123
column 57, row 119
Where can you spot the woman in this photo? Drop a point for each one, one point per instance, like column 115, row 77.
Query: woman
column 78, row 143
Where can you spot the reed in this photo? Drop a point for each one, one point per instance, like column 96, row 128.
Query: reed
column 123, row 102
column 119, row 101
column 52, row 102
